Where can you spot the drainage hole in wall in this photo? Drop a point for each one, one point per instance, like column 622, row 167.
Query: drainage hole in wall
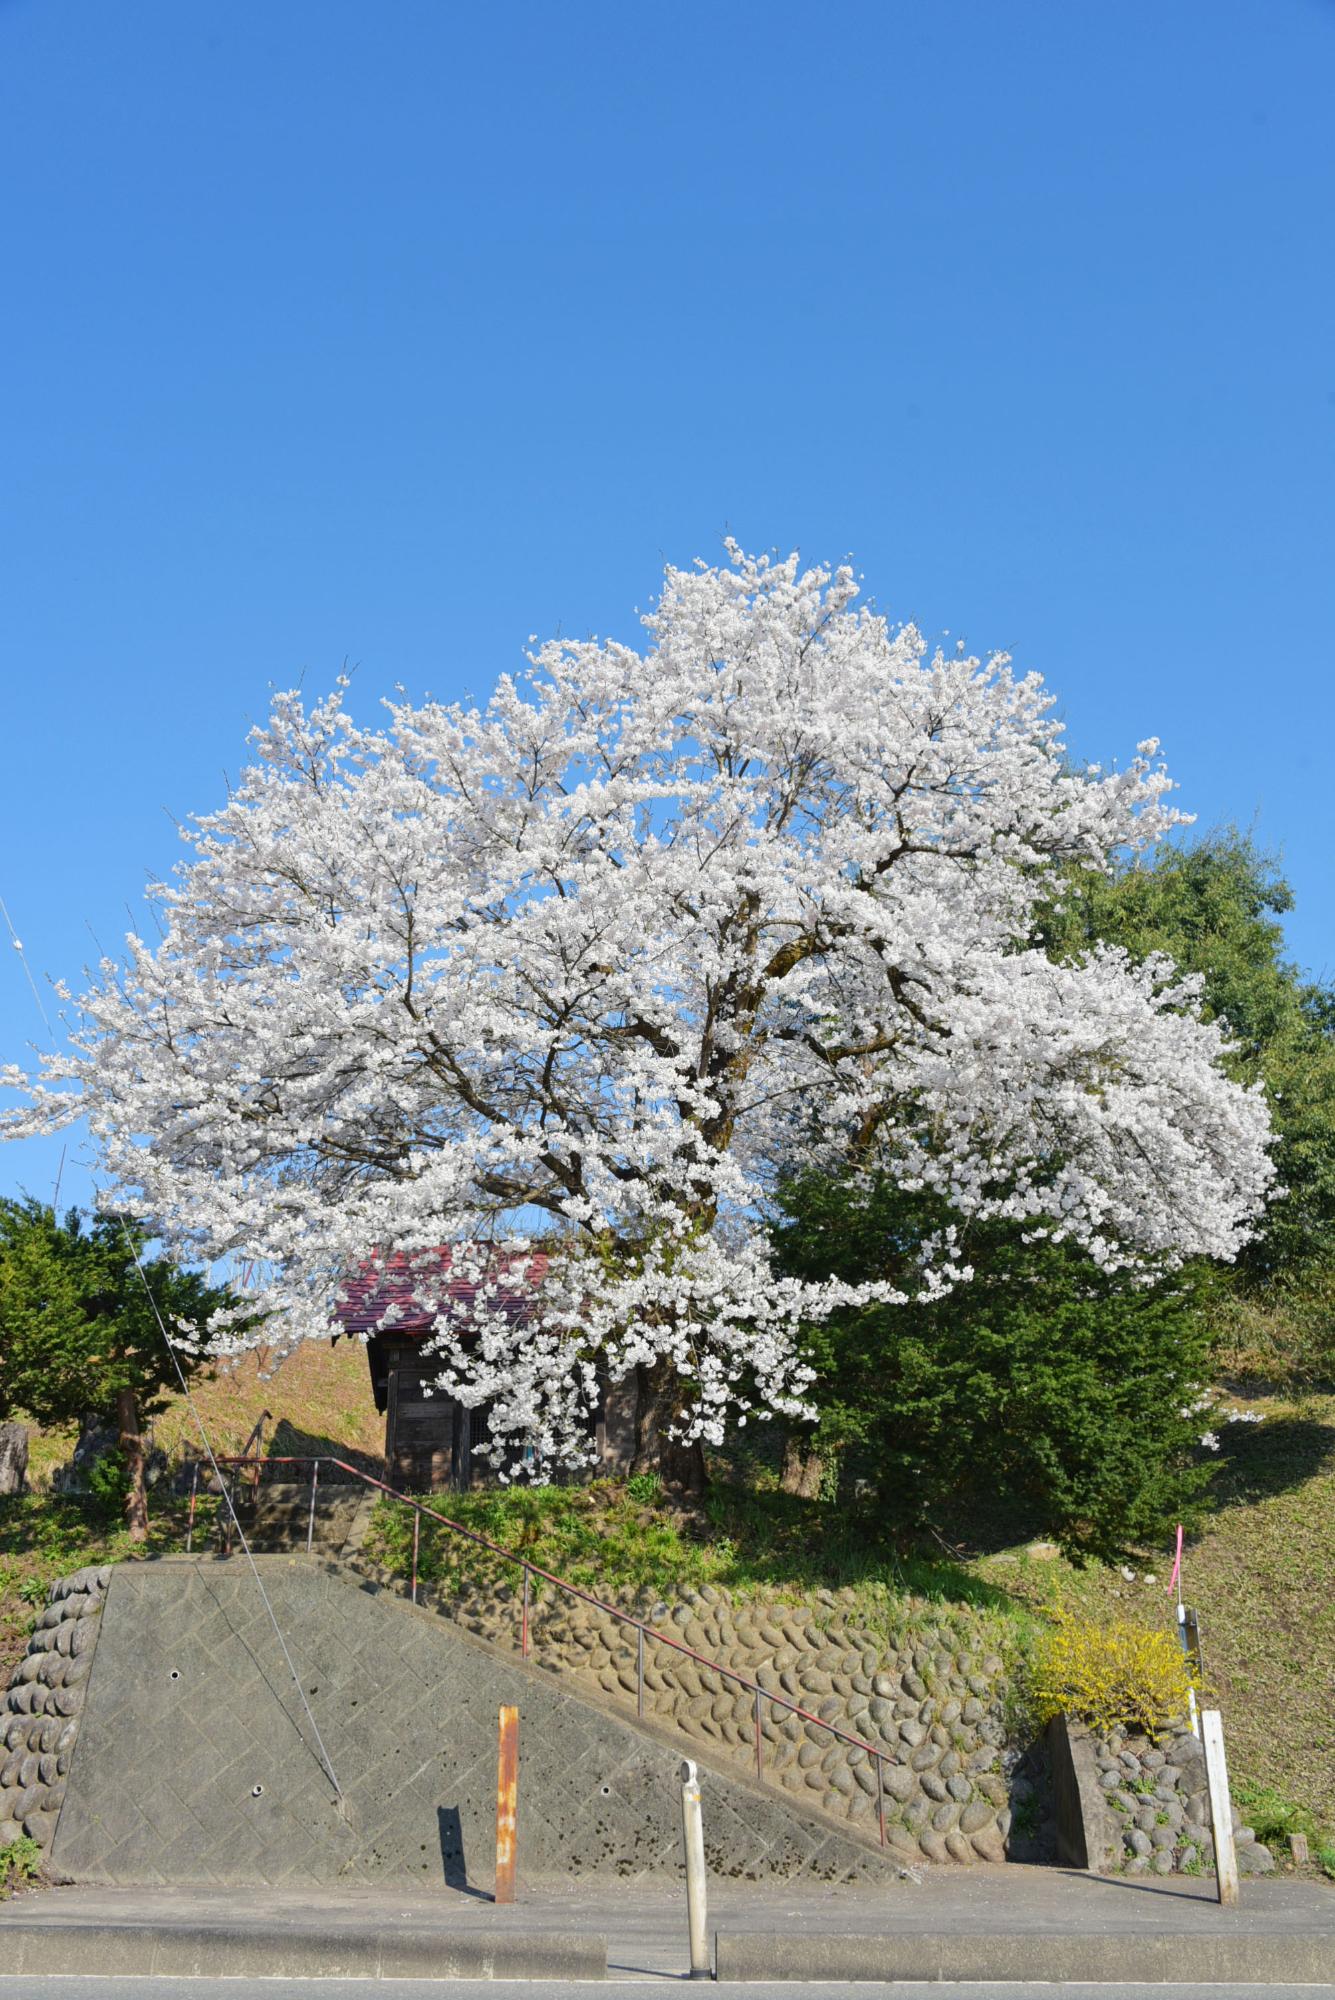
column 175, row 1674
column 607, row 1791
column 257, row 1791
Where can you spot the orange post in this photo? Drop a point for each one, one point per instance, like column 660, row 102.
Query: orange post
column 507, row 1805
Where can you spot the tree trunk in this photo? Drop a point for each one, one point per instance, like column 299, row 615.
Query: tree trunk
column 132, row 1450
column 803, row 1469
column 13, row 1458
column 680, row 1466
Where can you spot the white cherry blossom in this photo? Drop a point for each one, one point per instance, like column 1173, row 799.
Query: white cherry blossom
column 594, row 963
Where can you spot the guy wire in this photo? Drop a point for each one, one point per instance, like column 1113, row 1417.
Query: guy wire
column 225, row 1490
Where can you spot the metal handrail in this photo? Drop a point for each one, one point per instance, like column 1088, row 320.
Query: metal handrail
column 638, row 1625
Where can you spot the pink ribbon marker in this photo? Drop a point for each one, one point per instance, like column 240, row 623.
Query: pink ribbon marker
column 1177, row 1562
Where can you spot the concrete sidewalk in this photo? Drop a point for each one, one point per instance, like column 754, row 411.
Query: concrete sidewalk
column 1010, row 1923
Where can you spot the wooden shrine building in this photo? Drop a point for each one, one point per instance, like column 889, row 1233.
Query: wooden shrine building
column 431, row 1440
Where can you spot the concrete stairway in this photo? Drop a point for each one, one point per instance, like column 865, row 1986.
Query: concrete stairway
column 940, row 1789
column 280, row 1515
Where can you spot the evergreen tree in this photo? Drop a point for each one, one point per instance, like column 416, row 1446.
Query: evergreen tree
column 79, row 1331
column 1046, row 1397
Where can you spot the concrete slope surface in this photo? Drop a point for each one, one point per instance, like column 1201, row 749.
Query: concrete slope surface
column 197, row 1763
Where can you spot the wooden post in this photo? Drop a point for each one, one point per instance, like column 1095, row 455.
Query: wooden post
column 507, row 1805
column 1221, row 1806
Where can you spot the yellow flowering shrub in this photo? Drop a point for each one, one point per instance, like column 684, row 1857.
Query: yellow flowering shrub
column 1115, row 1676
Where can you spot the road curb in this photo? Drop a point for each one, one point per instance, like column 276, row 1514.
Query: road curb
column 264, row 1951
column 1263, row 1959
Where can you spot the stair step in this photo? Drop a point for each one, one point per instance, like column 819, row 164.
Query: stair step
column 284, row 1516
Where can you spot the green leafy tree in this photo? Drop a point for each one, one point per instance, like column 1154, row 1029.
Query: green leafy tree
column 1215, row 908
column 79, row 1331
column 1046, row 1397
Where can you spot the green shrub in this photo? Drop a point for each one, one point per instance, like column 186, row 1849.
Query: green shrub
column 20, row 1861
column 109, row 1481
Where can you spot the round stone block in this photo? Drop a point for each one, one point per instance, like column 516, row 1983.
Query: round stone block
column 900, row 1783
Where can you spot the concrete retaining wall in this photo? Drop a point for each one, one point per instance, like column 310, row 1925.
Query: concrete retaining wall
column 196, row 1761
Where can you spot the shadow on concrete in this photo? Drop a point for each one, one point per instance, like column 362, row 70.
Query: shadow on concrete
column 450, row 1827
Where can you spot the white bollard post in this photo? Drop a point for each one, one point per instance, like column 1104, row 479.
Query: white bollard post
column 1221, row 1806
column 693, row 1833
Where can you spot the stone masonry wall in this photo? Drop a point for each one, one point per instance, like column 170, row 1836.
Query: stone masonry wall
column 43, row 1705
column 1157, row 1791
column 932, row 1703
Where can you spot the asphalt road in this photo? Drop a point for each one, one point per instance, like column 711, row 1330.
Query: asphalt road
column 84, row 1986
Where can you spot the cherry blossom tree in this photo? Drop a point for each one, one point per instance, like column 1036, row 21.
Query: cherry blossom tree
column 599, row 962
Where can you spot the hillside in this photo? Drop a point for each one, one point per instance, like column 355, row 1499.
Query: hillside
column 320, row 1401
column 1262, row 1575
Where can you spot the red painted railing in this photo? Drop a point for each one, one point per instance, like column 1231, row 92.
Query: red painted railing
column 530, row 1570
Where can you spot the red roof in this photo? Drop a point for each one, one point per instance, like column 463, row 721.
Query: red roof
column 389, row 1286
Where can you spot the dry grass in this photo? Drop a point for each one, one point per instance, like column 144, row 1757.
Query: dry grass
column 319, row 1400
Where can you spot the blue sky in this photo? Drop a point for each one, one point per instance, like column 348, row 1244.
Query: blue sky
column 392, row 333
